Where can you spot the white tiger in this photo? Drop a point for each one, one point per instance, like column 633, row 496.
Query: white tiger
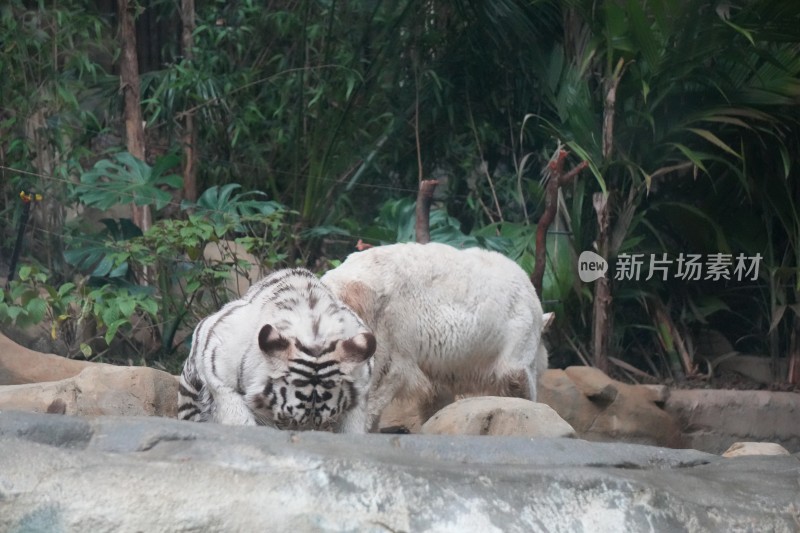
column 446, row 321
column 287, row 355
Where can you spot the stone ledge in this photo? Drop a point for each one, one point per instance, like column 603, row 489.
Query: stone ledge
column 133, row 474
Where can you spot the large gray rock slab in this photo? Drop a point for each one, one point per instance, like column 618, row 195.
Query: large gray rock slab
column 62, row 473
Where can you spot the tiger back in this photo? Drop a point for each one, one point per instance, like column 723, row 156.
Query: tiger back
column 288, row 355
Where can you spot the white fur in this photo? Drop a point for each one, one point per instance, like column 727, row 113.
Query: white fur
column 445, row 320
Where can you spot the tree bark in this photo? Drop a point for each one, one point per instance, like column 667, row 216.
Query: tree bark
column 794, row 353
column 423, row 220
column 601, row 307
column 130, row 87
column 556, row 179
column 189, row 137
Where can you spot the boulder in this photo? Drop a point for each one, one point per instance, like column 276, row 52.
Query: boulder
column 754, row 367
column 402, row 413
column 63, row 473
column 602, row 409
column 712, row 420
column 492, row 415
column 20, row 365
column 98, row 389
column 739, row 449
column 230, row 254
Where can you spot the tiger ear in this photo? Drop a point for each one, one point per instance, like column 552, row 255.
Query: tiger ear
column 270, row 340
column 359, row 348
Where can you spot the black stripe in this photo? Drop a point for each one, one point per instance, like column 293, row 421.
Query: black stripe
column 280, row 290
column 186, row 392
column 305, row 373
column 214, row 362
column 195, row 341
column 288, row 304
column 188, row 407
column 240, row 378
column 315, row 397
column 283, row 397
column 314, row 365
column 277, row 277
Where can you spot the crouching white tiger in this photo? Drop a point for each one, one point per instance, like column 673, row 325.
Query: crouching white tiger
column 288, row 355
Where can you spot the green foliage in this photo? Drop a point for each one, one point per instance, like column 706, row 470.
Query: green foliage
column 126, row 179
column 24, row 304
column 92, row 253
column 219, row 204
column 337, row 109
column 32, row 299
column 51, row 55
column 183, row 284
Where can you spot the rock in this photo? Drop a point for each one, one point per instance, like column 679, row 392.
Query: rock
column 402, row 413
column 98, row 390
column 712, row 420
column 602, row 409
column 739, row 449
column 658, row 394
column 63, row 473
column 594, row 384
column 756, row 368
column 493, row 415
column 229, row 253
column 20, row 365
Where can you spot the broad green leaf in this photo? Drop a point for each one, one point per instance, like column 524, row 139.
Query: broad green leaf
column 36, row 309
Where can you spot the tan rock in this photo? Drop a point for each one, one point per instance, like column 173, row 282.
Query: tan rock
column 757, row 368
column 714, row 419
column 602, row 409
column 739, row 449
column 98, row 390
column 493, row 415
column 402, row 413
column 593, row 383
column 657, row 393
column 20, row 365
column 229, row 253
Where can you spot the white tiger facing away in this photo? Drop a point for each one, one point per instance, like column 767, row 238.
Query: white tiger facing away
column 288, row 355
column 446, row 321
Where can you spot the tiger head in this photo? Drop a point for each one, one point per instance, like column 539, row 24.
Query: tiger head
column 311, row 387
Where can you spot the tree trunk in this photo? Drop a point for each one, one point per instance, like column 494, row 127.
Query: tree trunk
column 130, row 87
column 556, row 179
column 189, row 137
column 601, row 308
column 794, row 353
column 423, row 220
